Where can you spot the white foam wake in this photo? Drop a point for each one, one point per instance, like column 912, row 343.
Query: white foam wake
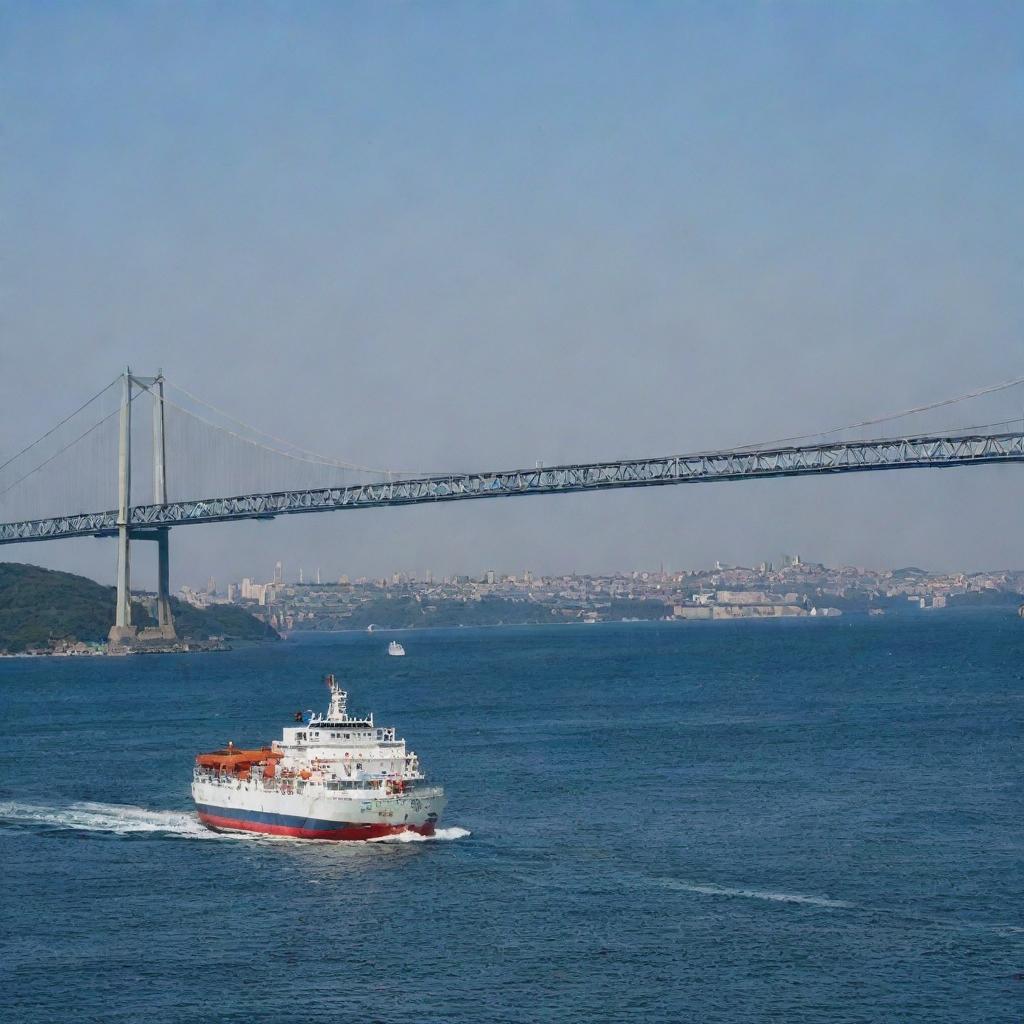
column 117, row 819
column 126, row 819
column 441, row 834
column 754, row 894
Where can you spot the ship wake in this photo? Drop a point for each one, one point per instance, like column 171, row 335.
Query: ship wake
column 112, row 819
column 127, row 820
column 754, row 894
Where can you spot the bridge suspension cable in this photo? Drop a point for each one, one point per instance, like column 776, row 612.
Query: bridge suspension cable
column 71, row 467
column 58, row 453
column 53, row 430
column 273, row 445
column 297, row 451
column 213, row 456
column 890, row 417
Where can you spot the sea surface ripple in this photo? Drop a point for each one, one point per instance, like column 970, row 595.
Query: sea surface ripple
column 804, row 821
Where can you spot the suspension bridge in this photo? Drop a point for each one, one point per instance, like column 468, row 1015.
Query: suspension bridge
column 75, row 482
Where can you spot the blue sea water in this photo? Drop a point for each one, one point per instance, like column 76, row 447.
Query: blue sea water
column 736, row 822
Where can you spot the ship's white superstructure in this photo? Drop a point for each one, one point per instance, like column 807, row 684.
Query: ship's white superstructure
column 332, row 777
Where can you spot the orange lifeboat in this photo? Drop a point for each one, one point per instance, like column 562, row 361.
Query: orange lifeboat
column 234, row 759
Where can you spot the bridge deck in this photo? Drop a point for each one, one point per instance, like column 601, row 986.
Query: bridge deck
column 745, row 464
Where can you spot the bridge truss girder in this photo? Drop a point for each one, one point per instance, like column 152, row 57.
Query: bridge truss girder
column 742, row 464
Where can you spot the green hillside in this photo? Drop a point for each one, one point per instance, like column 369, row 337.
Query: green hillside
column 227, row 620
column 40, row 605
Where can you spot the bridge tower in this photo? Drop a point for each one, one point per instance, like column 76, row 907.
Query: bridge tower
column 165, row 621
column 123, row 631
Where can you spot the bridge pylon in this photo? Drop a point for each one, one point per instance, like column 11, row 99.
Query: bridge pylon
column 124, row 632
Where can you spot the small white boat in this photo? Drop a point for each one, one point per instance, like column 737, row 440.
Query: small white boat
column 396, row 650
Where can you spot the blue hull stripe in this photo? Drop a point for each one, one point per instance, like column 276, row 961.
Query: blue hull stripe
column 268, row 818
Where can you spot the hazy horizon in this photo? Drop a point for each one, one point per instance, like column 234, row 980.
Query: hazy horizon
column 481, row 236
column 331, row 574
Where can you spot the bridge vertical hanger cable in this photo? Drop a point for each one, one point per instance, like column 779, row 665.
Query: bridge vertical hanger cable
column 288, row 448
column 60, row 451
column 67, row 469
column 297, row 452
column 248, row 464
column 275, row 466
column 53, row 430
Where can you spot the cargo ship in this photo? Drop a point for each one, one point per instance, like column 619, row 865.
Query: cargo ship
column 332, row 776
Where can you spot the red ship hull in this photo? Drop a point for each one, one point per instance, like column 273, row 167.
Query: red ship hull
column 340, row 833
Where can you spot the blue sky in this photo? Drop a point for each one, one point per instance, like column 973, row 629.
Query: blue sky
column 479, row 235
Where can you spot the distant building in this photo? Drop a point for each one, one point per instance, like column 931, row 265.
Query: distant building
column 742, row 597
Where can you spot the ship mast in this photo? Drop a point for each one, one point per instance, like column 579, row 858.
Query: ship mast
column 338, row 711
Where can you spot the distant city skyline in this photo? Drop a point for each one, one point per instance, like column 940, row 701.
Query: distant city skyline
column 319, row 575
column 795, row 589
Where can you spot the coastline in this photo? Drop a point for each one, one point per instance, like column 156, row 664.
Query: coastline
column 847, row 618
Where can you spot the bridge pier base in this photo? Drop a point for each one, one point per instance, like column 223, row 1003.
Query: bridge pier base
column 124, row 633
